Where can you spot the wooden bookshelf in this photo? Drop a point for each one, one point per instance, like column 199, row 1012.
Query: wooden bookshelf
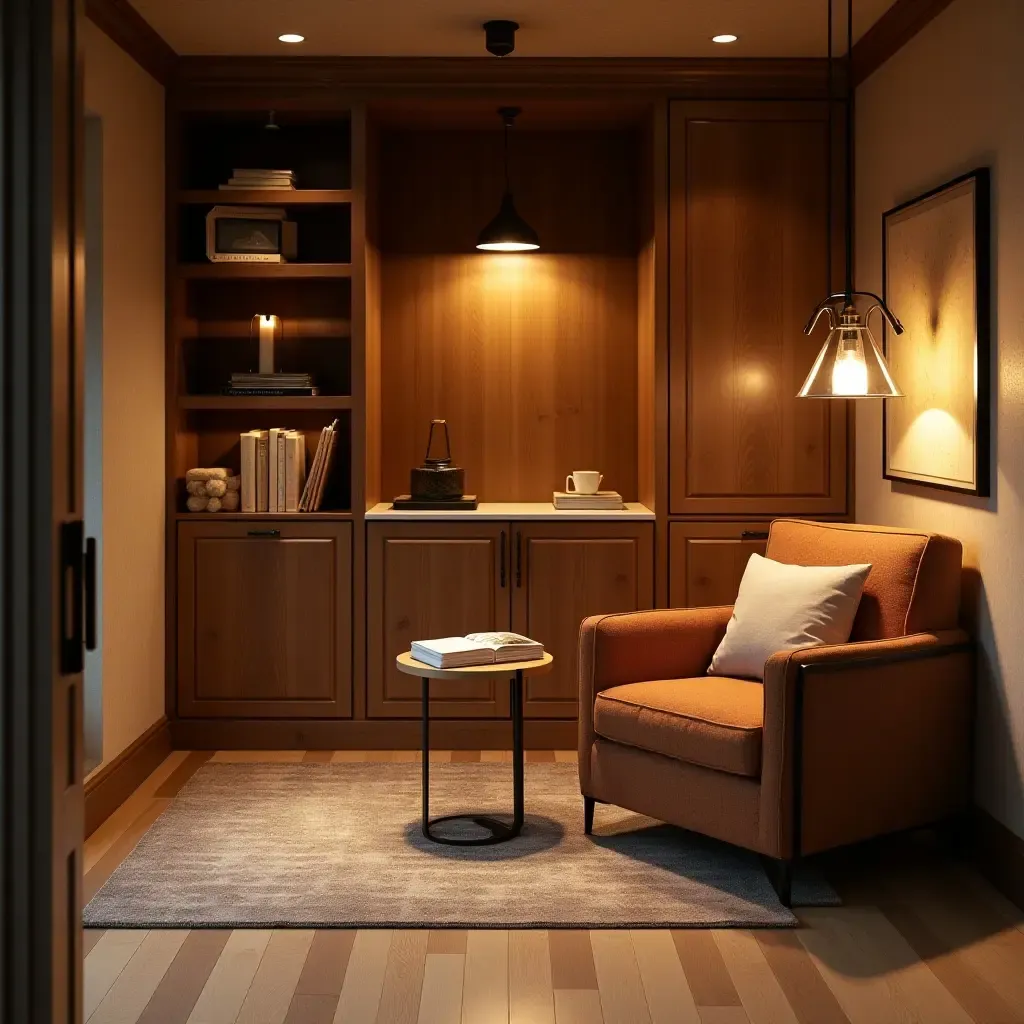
column 263, row 517
column 256, row 403
column 235, row 271
column 265, row 197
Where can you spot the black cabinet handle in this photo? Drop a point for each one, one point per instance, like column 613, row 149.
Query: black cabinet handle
column 72, row 653
column 519, row 559
column 264, row 533
column 90, row 594
column 501, row 558
column 754, row 535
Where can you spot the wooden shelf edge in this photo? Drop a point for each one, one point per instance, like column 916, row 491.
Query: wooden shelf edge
column 233, row 271
column 251, row 403
column 265, row 517
column 266, row 197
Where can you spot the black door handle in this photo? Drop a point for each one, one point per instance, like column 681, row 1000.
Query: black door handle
column 519, row 559
column 72, row 653
column 501, row 558
column 754, row 535
column 264, row 533
column 90, row 594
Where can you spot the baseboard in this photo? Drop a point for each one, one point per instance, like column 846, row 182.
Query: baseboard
column 349, row 734
column 114, row 783
column 999, row 855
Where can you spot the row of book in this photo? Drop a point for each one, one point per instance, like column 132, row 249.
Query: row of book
column 258, row 178
column 274, row 477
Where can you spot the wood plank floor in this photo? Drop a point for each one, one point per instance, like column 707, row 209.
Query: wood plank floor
column 920, row 939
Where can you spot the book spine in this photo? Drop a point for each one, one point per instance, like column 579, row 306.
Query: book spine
column 272, row 470
column 281, row 454
column 262, row 468
column 248, row 447
column 294, row 470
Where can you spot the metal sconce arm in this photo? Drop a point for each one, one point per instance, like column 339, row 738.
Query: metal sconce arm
column 880, row 305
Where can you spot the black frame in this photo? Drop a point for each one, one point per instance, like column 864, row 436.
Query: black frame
column 981, row 176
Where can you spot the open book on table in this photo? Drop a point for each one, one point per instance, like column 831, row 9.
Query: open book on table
column 476, row 649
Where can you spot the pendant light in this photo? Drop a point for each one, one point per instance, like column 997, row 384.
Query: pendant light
column 850, row 363
column 508, row 232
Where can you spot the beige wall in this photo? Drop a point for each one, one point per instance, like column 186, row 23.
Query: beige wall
column 949, row 101
column 131, row 105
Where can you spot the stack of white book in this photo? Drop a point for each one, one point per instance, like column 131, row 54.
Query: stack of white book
column 254, row 178
column 273, row 469
column 476, row 649
column 597, row 500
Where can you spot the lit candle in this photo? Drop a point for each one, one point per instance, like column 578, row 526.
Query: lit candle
column 268, row 326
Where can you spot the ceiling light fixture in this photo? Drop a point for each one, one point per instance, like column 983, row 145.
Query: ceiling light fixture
column 508, row 232
column 291, row 37
column 725, row 37
column 850, row 363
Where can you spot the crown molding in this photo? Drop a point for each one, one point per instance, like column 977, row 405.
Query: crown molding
column 207, row 81
column 891, row 33
column 126, row 27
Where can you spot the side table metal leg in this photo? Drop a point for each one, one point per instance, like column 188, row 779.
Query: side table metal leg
column 517, row 751
column 426, row 757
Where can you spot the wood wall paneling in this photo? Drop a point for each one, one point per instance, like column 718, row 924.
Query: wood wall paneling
column 749, row 243
column 265, row 619
column 532, row 358
column 430, row 580
column 706, row 560
column 563, row 572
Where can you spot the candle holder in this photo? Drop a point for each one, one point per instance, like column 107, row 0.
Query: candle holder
column 268, row 331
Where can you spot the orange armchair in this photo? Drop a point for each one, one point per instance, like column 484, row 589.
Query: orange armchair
column 838, row 744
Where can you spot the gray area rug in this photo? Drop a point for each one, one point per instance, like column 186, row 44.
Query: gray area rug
column 322, row 845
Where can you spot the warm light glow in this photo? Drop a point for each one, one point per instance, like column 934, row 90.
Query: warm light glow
column 850, row 373
column 507, row 246
column 291, row 37
column 725, row 37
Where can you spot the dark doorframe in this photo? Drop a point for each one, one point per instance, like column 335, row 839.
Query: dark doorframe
column 42, row 605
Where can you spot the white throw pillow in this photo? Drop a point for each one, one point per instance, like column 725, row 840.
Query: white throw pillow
column 782, row 607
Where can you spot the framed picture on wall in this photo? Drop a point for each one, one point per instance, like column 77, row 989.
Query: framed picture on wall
column 936, row 279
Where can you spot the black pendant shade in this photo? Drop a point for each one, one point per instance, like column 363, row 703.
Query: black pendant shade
column 507, row 231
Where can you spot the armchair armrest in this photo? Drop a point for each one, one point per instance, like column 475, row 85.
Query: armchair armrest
column 865, row 738
column 632, row 647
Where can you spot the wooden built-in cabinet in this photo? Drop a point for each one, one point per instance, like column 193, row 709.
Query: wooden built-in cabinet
column 706, row 560
column 537, row 578
column 264, row 619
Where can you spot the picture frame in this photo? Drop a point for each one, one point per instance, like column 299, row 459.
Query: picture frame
column 936, row 277
column 249, row 234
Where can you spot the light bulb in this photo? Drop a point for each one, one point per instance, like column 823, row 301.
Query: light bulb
column 850, row 371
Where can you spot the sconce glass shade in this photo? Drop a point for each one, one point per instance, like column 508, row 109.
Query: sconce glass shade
column 850, row 363
column 508, row 232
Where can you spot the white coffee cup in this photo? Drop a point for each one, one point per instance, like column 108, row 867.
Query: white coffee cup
column 583, row 481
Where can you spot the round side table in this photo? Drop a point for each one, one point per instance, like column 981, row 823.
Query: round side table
column 500, row 831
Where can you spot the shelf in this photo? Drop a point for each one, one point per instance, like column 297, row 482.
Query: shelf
column 503, row 510
column 294, row 327
column 249, row 403
column 264, row 517
column 266, row 197
column 236, row 271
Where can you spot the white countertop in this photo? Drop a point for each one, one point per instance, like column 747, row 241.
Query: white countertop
column 633, row 512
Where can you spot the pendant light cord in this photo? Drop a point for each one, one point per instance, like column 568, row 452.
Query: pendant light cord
column 508, row 187
column 828, row 156
column 849, row 151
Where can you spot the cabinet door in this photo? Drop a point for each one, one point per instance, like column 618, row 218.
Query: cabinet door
column 749, row 243
column 265, row 619
column 706, row 560
column 563, row 572
column 430, row 580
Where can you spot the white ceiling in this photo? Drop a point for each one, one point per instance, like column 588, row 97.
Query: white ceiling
column 549, row 28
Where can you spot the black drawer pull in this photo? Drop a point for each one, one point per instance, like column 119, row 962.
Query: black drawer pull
column 754, row 535
column 264, row 533
column 90, row 594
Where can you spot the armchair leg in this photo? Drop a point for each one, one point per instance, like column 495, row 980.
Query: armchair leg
column 780, row 874
column 588, row 814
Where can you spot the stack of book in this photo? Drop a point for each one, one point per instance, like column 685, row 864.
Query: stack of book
column 273, row 470
column 252, row 178
column 597, row 500
column 476, row 649
column 271, row 384
column 319, row 483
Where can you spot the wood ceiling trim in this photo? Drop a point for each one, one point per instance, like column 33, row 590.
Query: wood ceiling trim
column 891, row 33
column 126, row 27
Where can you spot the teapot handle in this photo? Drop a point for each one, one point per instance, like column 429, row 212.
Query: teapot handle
column 430, row 444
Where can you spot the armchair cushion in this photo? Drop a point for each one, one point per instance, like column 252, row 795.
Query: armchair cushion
column 715, row 722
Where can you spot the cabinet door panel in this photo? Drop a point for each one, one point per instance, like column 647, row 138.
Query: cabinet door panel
column 563, row 573
column 749, row 243
column 706, row 560
column 430, row 581
column 265, row 621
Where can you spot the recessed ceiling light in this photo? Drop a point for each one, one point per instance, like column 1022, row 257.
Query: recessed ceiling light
column 725, row 37
column 291, row 37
